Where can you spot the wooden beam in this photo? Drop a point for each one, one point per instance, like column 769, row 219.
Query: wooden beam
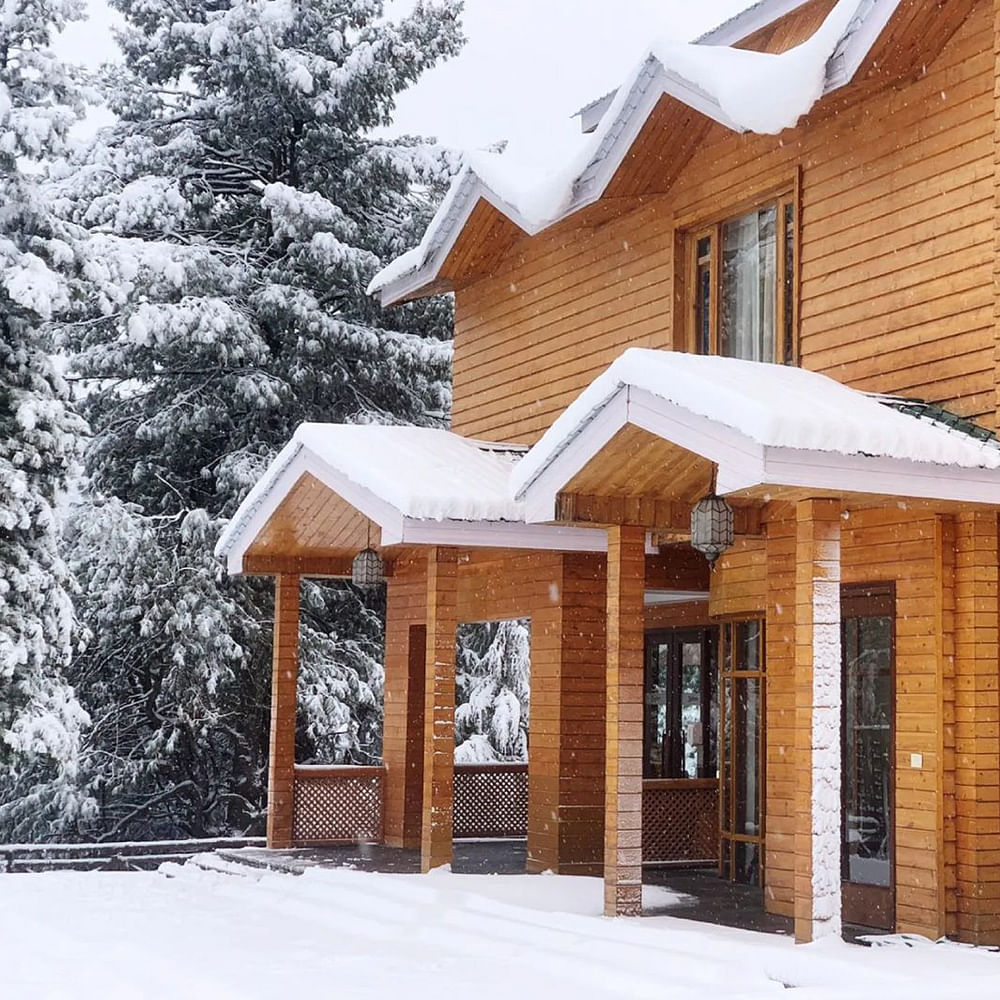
column 439, row 709
column 623, row 723
column 284, row 679
column 670, row 519
column 329, row 567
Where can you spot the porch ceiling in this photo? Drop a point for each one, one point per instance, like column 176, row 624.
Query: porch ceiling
column 637, row 463
column 313, row 522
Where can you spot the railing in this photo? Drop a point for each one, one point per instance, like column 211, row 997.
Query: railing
column 680, row 821
column 337, row 805
column 491, row 800
column 130, row 856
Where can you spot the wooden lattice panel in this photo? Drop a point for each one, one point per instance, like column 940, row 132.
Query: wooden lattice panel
column 680, row 821
column 491, row 800
column 337, row 805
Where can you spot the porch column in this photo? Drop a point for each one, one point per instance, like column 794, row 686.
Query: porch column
column 977, row 728
column 403, row 730
column 439, row 709
column 817, row 720
column 624, row 706
column 284, row 678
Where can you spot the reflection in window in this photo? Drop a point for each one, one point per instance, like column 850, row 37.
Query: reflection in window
column 681, row 705
column 867, row 644
column 744, row 285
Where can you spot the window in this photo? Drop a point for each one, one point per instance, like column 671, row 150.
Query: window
column 743, row 281
column 681, row 704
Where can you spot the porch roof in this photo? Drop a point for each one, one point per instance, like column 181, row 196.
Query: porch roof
column 764, row 425
column 413, row 485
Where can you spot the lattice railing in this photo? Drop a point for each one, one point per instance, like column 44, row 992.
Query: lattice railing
column 337, row 805
column 680, row 821
column 491, row 800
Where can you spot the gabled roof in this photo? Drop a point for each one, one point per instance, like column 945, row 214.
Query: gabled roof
column 742, row 90
column 417, row 485
column 764, row 425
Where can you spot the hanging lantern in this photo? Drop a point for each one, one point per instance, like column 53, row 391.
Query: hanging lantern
column 712, row 528
column 368, row 571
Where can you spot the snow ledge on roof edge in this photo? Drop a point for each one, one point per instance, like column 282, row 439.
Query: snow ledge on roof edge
column 743, row 90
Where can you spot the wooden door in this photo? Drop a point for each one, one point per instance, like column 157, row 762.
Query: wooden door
column 868, row 744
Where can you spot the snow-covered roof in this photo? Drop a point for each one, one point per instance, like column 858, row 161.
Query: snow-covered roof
column 767, row 424
column 742, row 90
column 421, row 472
column 419, row 485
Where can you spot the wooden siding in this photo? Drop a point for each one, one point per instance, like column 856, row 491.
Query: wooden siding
column 897, row 240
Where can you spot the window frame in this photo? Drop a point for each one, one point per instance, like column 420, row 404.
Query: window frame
column 787, row 231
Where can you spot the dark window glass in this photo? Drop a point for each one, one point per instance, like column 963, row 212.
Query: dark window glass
column 867, row 650
column 789, row 289
column 703, row 304
column 681, row 705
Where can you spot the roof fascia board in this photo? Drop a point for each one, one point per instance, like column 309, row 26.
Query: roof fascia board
column 632, row 119
column 747, row 23
column 407, row 284
column 885, row 476
column 503, row 535
column 848, row 61
column 743, row 464
column 242, row 539
column 306, row 462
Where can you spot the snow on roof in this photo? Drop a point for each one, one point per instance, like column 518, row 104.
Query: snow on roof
column 776, row 406
column 742, row 90
column 421, row 472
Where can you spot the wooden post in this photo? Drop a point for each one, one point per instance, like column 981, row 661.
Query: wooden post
column 624, row 709
column 284, row 678
column 403, row 729
column 566, row 749
column 817, row 720
column 977, row 728
column 439, row 709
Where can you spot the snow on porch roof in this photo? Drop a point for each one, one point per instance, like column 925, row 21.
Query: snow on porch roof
column 389, row 473
column 743, row 90
column 767, row 424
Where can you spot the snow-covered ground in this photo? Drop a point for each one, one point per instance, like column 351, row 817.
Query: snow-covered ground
column 202, row 935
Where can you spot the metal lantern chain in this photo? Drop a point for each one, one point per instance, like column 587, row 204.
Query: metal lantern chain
column 712, row 527
column 368, row 570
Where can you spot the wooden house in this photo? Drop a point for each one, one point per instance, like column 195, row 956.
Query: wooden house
column 791, row 304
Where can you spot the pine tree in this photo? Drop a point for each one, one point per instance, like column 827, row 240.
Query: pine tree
column 236, row 214
column 493, row 688
column 40, row 717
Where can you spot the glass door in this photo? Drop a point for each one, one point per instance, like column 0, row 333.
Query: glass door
column 741, row 752
column 680, row 716
column 867, row 616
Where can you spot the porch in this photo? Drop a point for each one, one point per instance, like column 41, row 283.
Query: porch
column 822, row 592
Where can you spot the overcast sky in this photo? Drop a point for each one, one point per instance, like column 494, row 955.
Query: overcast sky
column 527, row 64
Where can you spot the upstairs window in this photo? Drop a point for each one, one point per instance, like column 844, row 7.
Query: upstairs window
column 743, row 272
